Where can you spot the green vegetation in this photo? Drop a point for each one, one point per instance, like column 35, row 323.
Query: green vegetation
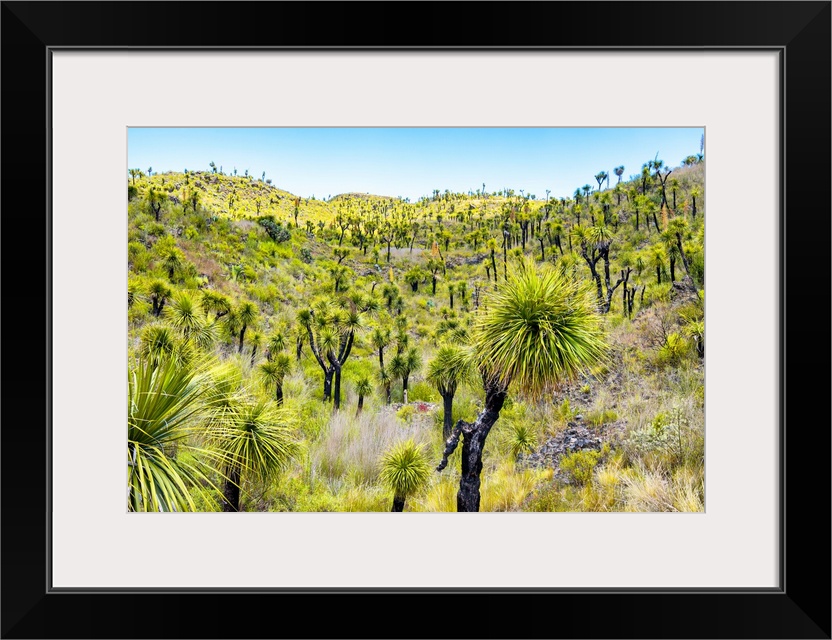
column 293, row 354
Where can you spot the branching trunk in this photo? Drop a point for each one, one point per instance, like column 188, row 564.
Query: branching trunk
column 473, row 442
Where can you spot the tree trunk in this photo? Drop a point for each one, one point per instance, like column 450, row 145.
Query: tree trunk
column 381, row 357
column 473, row 441
column 694, row 208
column 278, row 394
column 672, row 269
column 231, row 490
column 494, row 266
column 404, row 389
column 328, row 383
column 242, row 335
column 542, row 251
column 452, row 301
column 398, row 505
column 337, row 392
column 658, row 274
column 448, row 419
column 360, row 404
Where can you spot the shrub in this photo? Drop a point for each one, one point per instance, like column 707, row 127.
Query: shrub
column 276, row 231
column 406, row 413
column 305, row 255
column 422, row 391
column 673, row 351
column 580, row 465
column 597, row 418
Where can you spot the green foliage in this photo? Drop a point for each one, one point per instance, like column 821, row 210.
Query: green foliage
column 277, row 232
column 422, row 392
column 406, row 413
column 540, row 329
column 597, row 418
column 405, row 469
column 164, row 403
column 673, row 351
column 580, row 465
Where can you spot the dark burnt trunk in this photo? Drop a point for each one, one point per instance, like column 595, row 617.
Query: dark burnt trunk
column 448, row 418
column 473, row 442
column 398, row 505
column 381, row 357
column 328, row 373
column 542, row 250
column 682, row 254
column 694, row 208
column 278, row 394
column 636, row 218
column 494, row 266
column 658, row 274
column 672, row 269
column 433, row 285
column 337, row 392
column 360, row 404
column 231, row 490
column 242, row 336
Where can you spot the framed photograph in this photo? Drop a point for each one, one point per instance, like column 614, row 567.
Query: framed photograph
column 91, row 87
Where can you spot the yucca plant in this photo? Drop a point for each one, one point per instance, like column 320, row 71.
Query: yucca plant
column 405, row 470
column 363, row 387
column 540, row 330
column 164, row 403
column 272, row 373
column 450, row 366
column 182, row 314
column 255, row 439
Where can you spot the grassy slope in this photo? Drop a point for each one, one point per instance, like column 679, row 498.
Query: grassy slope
column 282, row 278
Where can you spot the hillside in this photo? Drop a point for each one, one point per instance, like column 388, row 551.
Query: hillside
column 242, row 284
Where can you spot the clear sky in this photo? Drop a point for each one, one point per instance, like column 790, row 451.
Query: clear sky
column 412, row 162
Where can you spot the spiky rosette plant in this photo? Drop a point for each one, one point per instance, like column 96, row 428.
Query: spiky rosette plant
column 405, row 470
column 165, row 402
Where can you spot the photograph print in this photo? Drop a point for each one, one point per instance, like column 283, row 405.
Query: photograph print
column 416, row 319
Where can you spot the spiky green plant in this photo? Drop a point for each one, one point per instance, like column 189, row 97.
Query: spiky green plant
column 522, row 439
column 541, row 329
column 451, row 366
column 272, row 373
column 363, row 387
column 182, row 314
column 246, row 315
column 164, row 402
column 404, row 469
column 256, row 440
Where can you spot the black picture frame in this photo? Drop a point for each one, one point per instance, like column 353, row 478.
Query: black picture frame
column 799, row 608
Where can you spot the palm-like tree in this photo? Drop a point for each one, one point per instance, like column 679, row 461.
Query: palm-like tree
column 450, row 366
column 255, row 439
column 159, row 293
column 246, row 315
column 380, row 338
column 363, row 388
column 183, row 315
column 216, row 303
column 695, row 193
column 540, row 330
column 272, row 373
column 619, row 171
column 658, row 259
column 386, row 381
column 164, row 403
column 403, row 365
column 405, row 470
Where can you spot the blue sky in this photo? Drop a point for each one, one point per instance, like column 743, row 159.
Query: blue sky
column 412, row 162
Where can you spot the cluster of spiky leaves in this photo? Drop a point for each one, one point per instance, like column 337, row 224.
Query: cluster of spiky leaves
column 541, row 329
column 404, row 468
